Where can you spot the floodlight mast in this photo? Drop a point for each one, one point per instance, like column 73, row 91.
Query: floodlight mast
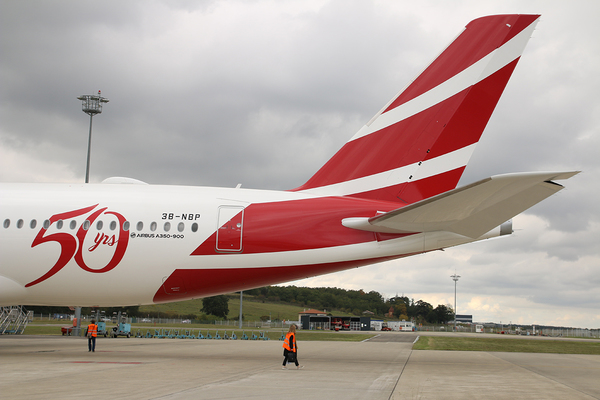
column 91, row 105
column 455, row 279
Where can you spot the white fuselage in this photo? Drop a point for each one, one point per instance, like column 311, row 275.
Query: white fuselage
column 126, row 263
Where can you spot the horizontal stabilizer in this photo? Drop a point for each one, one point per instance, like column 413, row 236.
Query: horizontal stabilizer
column 471, row 210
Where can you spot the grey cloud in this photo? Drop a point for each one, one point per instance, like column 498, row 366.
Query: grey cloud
column 263, row 93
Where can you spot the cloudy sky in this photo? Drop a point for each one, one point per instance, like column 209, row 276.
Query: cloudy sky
column 262, row 93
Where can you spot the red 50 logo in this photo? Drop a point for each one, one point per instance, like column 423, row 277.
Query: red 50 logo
column 72, row 246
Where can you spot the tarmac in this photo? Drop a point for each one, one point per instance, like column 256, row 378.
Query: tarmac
column 385, row 367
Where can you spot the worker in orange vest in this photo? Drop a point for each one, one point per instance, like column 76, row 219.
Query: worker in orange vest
column 91, row 333
column 290, row 348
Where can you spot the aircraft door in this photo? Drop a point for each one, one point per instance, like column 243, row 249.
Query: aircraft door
column 230, row 229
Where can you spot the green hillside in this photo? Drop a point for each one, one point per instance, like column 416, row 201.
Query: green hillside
column 253, row 309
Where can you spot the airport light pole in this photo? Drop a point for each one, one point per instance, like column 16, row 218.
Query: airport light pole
column 91, row 105
column 241, row 301
column 455, row 279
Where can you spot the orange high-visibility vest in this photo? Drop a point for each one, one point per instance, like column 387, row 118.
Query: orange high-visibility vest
column 93, row 329
column 290, row 342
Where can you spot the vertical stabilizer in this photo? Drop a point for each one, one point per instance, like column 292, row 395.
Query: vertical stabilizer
column 419, row 144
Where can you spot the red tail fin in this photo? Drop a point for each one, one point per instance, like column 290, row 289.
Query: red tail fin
column 419, row 144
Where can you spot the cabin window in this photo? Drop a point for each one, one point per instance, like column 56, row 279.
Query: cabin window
column 126, row 225
column 99, row 225
column 194, row 227
column 139, row 226
column 73, row 224
column 6, row 223
column 181, row 227
column 59, row 224
column 46, row 224
column 113, row 225
column 20, row 224
column 153, row 226
column 33, row 224
column 167, row 226
column 86, row 225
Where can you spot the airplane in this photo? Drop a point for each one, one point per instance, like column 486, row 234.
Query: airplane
column 389, row 192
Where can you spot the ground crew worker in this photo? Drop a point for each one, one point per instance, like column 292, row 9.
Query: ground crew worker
column 290, row 348
column 91, row 333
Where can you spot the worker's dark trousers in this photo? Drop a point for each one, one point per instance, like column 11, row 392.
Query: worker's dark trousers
column 92, row 343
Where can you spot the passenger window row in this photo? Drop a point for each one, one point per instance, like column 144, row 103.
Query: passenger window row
column 100, row 224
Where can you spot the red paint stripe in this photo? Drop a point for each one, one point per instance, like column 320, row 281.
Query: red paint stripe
column 106, row 362
column 480, row 38
column 301, row 225
column 411, row 192
column 470, row 119
column 212, row 282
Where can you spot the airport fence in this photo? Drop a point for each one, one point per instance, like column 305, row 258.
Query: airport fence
column 545, row 331
column 516, row 330
column 569, row 332
column 170, row 321
column 487, row 328
column 258, row 324
column 433, row 328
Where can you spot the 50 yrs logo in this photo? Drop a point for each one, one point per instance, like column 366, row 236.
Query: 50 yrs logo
column 72, row 246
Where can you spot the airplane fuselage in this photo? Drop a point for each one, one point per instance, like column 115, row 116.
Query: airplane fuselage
column 176, row 242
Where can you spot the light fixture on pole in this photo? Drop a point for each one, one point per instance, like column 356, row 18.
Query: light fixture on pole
column 91, row 105
column 455, row 279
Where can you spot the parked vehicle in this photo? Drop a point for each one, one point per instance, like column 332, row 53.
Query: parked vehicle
column 123, row 328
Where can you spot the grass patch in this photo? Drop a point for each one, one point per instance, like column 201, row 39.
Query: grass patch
column 507, row 345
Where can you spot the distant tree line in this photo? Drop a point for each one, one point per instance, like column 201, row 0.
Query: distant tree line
column 350, row 301
column 355, row 302
column 420, row 311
